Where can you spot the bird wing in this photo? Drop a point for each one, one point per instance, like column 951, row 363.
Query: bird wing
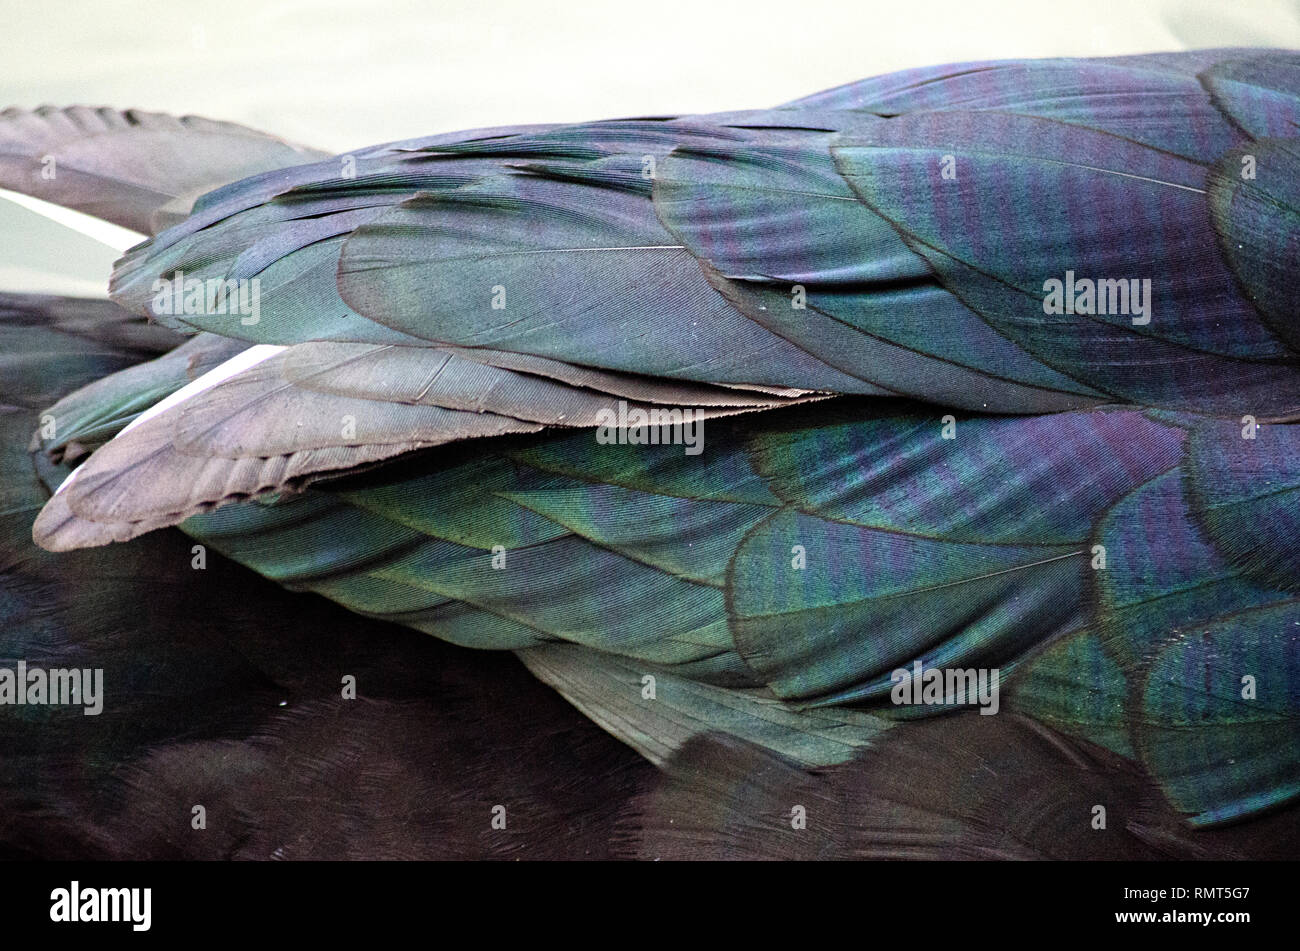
column 441, row 321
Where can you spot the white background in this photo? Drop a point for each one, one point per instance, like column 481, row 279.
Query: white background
column 338, row 75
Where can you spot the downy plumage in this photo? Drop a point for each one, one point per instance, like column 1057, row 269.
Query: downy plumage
column 910, row 454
